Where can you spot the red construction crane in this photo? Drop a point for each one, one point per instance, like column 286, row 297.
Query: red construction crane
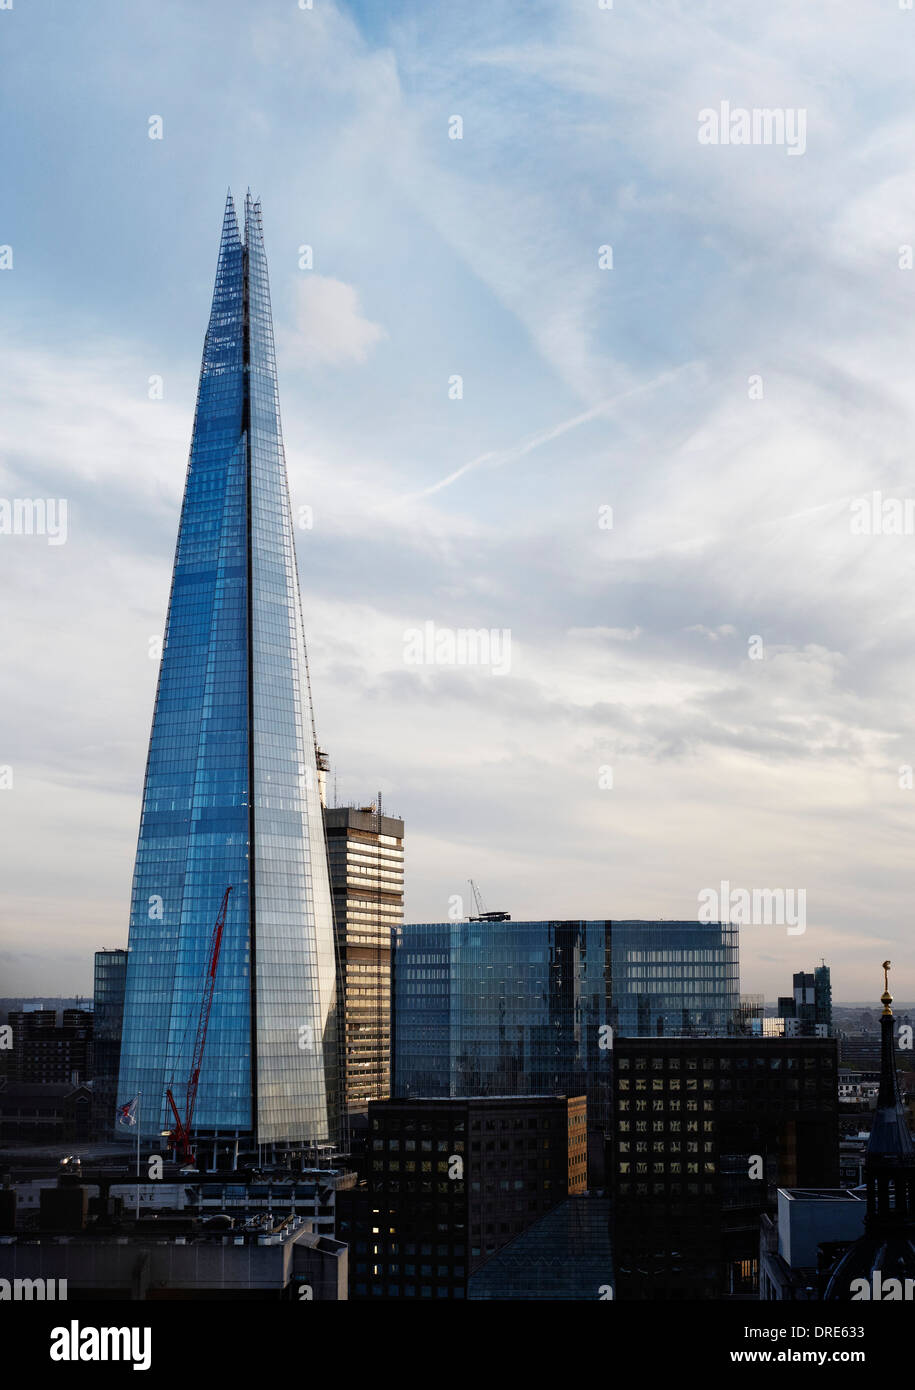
column 181, row 1133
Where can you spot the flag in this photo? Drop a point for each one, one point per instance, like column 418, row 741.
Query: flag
column 127, row 1114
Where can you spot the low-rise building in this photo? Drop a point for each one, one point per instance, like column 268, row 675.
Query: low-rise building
column 186, row 1259
column 790, row 1259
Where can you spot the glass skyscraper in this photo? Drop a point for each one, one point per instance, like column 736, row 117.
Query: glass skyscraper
column 531, row 1008
column 231, row 793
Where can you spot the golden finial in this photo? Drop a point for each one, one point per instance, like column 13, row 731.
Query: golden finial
column 886, row 998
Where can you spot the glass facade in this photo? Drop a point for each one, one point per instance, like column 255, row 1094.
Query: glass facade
column 502, row 1008
column 521, row 1008
column 675, row 977
column 108, row 1013
column 231, row 792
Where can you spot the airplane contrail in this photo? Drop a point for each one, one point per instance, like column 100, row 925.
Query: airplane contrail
column 534, row 441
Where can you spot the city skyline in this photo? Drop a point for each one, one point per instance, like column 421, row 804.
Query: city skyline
column 584, row 387
column 457, row 772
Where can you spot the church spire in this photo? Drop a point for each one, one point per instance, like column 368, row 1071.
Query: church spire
column 890, row 1134
column 886, row 1250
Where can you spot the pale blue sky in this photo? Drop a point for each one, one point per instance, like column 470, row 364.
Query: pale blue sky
column 582, row 387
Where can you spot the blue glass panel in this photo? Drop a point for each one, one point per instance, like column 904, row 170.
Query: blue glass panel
column 518, row 1008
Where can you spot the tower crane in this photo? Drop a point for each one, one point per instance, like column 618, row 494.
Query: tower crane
column 482, row 914
column 181, row 1131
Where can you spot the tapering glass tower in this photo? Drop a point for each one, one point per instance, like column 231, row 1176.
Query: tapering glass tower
column 231, row 793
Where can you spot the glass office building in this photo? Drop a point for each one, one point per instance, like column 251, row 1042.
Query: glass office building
column 500, row 1008
column 108, row 1015
column 522, row 1008
column 231, row 793
column 675, row 977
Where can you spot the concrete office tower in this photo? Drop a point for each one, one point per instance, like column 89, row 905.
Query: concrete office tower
column 366, row 871
column 231, row 794
column 704, row 1131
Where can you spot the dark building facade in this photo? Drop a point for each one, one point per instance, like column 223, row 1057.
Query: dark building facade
column 110, row 979
column 566, row 1255
column 807, row 1011
column 366, row 856
column 45, row 1112
column 47, row 1053
column 452, row 1181
column 705, row 1131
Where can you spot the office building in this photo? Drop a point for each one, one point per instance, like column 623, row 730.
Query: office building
column 366, row 852
column 527, row 1008
column 674, row 977
column 231, row 797
column 503, row 1009
column 108, row 1014
column 110, row 1179
column 452, row 1181
column 751, row 1014
column 807, row 1011
column 705, row 1131
column 46, row 1052
column 822, row 997
column 277, row 1260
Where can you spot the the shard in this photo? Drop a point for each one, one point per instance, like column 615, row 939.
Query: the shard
column 231, row 794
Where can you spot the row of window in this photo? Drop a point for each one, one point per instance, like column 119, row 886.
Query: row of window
column 674, row 1167
column 775, row 1061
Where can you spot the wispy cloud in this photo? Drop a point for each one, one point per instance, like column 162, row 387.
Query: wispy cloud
column 627, row 386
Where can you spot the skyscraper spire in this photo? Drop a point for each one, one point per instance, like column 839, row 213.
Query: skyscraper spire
column 231, row 793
